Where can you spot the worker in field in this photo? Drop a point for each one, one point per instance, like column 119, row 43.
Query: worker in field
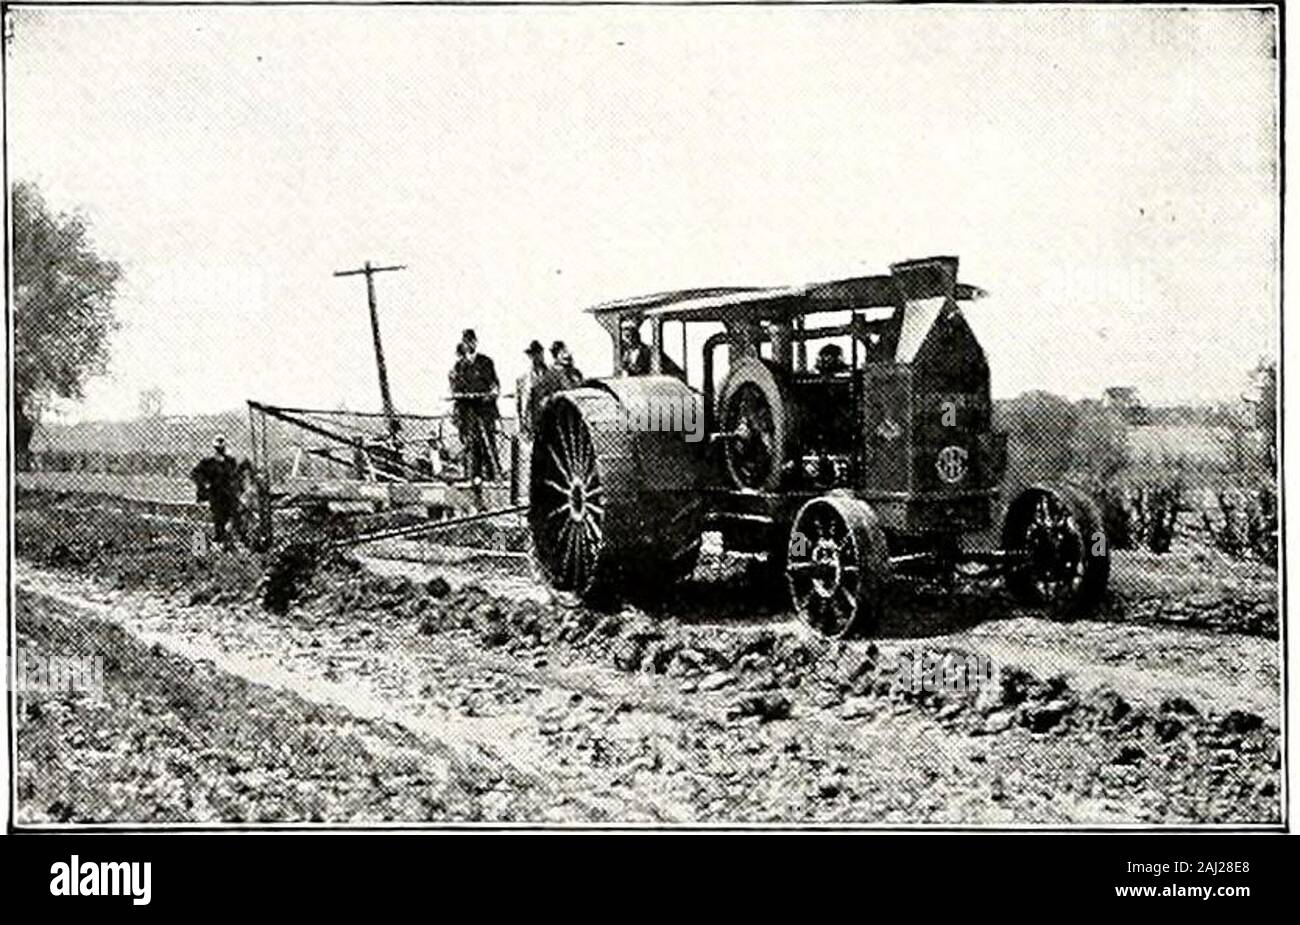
column 475, row 388
column 524, row 385
column 218, row 480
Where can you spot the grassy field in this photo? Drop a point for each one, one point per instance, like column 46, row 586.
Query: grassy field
column 172, row 490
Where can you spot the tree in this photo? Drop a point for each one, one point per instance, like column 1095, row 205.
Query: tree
column 63, row 309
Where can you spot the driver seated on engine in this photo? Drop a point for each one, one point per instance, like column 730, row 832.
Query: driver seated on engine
column 830, row 361
column 635, row 354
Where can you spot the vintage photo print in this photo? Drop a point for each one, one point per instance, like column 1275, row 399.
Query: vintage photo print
column 644, row 415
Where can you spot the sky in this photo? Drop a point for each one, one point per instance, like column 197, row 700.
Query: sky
column 1108, row 175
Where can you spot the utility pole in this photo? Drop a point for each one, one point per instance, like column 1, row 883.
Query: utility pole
column 394, row 426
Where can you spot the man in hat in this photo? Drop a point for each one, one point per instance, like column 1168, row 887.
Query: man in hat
column 635, row 356
column 217, row 481
column 568, row 374
column 476, row 387
column 562, row 375
column 525, row 384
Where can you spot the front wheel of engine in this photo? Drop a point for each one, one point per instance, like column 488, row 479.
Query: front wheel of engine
column 1061, row 554
column 837, row 566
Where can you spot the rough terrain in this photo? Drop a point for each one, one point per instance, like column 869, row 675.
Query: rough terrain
column 415, row 683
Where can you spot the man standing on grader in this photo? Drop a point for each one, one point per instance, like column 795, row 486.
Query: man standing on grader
column 474, row 388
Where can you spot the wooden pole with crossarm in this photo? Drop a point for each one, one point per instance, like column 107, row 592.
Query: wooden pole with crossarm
column 386, row 396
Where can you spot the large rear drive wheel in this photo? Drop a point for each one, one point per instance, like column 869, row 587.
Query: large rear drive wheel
column 569, row 508
column 597, row 530
column 837, row 566
column 1062, row 554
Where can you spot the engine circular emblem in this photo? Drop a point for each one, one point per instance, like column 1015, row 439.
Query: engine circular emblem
column 951, row 463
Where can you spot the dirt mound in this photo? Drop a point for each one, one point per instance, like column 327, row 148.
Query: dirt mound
column 288, row 571
column 769, row 674
column 1173, row 759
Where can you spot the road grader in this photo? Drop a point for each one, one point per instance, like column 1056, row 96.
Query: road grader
column 845, row 475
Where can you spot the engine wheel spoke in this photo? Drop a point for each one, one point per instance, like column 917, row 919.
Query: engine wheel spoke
column 563, row 509
column 597, row 534
column 566, row 547
column 559, row 464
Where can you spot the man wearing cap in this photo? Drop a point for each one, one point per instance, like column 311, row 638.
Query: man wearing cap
column 525, row 384
column 217, row 481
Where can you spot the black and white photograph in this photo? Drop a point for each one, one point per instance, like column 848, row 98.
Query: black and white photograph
column 649, row 417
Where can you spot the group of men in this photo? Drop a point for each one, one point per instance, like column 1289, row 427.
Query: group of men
column 475, row 388
column 539, row 382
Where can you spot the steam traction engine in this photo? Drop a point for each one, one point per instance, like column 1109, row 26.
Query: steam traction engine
column 876, row 459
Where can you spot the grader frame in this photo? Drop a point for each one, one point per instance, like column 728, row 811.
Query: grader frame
column 322, row 465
